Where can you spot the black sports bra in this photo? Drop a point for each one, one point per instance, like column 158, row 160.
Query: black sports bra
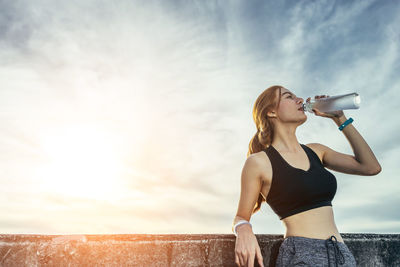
column 294, row 190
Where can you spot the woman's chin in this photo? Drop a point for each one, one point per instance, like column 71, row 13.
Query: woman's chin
column 304, row 119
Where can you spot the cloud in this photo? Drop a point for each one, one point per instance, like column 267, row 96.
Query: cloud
column 175, row 82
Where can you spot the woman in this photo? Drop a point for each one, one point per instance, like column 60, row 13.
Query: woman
column 291, row 177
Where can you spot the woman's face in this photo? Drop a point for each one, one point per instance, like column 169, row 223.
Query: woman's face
column 290, row 107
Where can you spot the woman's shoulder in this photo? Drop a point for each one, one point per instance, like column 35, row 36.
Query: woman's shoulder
column 259, row 157
column 262, row 162
column 318, row 149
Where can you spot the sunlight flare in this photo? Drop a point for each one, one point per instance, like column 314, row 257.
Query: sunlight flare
column 81, row 162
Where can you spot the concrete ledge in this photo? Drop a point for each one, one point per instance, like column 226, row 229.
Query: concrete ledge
column 169, row 250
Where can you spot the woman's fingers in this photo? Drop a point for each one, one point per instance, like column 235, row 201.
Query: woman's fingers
column 247, row 251
column 250, row 260
column 317, row 112
column 259, row 257
column 320, row 96
column 316, row 97
column 237, row 260
column 246, row 259
column 243, row 258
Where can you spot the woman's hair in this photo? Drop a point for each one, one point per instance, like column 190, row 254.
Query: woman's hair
column 265, row 102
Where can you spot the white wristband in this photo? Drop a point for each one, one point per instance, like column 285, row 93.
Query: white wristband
column 240, row 223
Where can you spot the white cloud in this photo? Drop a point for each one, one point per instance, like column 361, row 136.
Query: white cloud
column 176, row 87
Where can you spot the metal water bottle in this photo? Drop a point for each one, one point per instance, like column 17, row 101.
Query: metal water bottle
column 333, row 103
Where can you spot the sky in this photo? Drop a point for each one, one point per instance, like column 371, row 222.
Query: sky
column 124, row 117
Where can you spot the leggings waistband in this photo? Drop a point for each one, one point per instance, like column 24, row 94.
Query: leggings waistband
column 327, row 243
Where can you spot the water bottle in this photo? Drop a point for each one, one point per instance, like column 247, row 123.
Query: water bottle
column 333, row 103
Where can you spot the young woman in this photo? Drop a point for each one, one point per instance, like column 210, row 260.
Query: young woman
column 291, row 177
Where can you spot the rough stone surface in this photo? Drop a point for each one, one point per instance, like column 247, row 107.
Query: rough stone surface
column 170, row 250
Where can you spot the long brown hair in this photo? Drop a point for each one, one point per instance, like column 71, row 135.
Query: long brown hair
column 262, row 139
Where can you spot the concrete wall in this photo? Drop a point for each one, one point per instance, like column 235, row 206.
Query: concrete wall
column 169, row 250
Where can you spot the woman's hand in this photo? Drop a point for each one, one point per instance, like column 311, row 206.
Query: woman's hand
column 331, row 114
column 246, row 247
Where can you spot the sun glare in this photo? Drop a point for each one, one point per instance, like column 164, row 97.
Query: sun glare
column 81, row 162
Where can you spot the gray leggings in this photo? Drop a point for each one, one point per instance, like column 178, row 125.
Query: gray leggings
column 304, row 251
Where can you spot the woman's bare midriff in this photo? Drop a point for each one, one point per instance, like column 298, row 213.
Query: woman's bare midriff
column 315, row 223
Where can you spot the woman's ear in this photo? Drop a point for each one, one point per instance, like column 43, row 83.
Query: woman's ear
column 271, row 114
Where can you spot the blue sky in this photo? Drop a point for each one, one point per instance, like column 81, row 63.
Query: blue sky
column 135, row 116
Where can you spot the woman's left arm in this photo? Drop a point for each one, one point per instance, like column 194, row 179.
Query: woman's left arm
column 363, row 162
